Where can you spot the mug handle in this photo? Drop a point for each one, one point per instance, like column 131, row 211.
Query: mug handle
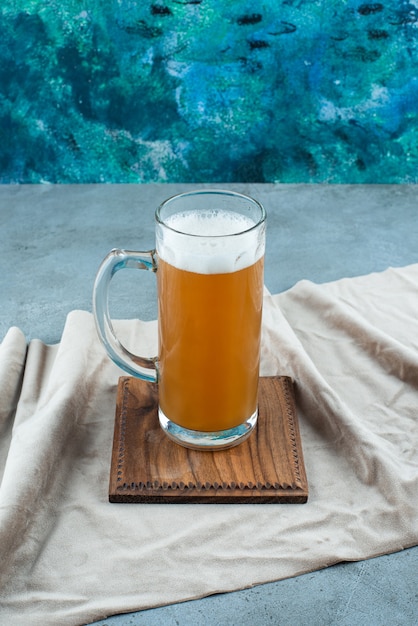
column 116, row 260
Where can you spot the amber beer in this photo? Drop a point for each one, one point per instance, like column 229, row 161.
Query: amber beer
column 210, row 306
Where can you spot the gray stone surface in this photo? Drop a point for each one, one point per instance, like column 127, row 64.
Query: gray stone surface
column 52, row 239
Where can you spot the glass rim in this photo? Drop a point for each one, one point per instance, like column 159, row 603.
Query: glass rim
column 219, row 192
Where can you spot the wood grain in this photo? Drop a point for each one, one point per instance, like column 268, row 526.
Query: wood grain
column 147, row 466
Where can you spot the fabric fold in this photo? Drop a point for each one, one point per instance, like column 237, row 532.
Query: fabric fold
column 12, row 365
column 351, row 348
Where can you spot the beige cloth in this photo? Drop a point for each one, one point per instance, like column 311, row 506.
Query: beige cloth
column 67, row 556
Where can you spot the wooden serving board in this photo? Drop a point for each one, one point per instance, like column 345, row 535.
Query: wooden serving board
column 147, row 466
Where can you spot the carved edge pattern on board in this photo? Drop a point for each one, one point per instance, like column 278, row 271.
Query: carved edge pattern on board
column 290, row 408
column 122, row 434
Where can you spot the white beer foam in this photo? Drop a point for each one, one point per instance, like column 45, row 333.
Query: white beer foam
column 215, row 247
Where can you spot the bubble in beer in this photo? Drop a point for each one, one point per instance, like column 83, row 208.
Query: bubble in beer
column 205, row 241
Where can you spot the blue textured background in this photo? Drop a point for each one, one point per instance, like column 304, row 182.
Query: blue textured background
column 204, row 90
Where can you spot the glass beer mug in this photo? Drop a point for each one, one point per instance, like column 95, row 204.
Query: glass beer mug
column 209, row 261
